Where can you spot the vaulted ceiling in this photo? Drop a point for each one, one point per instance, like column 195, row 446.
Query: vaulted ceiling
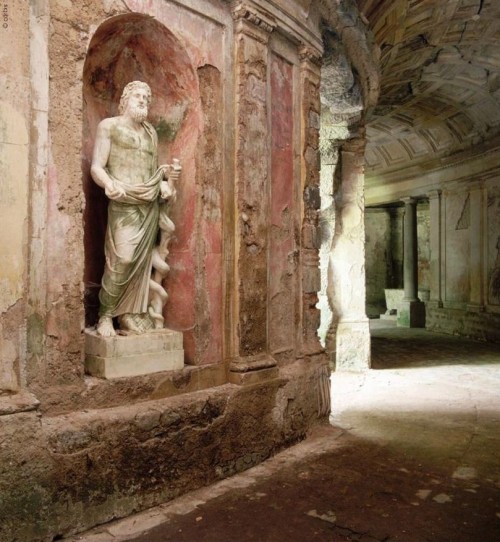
column 440, row 80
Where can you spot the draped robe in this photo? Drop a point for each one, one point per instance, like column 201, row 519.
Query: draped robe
column 132, row 221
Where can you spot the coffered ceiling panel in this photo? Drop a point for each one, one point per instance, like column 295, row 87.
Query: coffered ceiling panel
column 440, row 85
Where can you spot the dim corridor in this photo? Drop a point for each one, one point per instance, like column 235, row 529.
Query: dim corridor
column 413, row 454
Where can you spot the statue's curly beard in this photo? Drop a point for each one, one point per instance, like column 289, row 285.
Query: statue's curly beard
column 139, row 114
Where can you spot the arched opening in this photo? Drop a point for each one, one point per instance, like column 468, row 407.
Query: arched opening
column 123, row 49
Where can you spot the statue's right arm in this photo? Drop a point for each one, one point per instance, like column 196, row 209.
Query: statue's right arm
column 100, row 157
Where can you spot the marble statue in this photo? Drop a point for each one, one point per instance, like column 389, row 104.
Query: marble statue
column 125, row 164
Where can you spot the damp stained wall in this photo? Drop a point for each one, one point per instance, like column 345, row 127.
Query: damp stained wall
column 77, row 450
column 14, row 189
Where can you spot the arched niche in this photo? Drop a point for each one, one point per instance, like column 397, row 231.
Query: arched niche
column 123, row 49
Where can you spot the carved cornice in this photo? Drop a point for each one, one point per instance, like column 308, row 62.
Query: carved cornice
column 476, row 184
column 434, row 194
column 244, row 11
column 310, row 55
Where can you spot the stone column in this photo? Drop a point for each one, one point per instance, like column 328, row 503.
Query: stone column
column 346, row 274
column 310, row 63
column 329, row 157
column 477, row 285
column 435, row 242
column 252, row 31
column 411, row 312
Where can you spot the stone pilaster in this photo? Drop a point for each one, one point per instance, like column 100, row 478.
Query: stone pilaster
column 39, row 165
column 252, row 32
column 435, row 243
column 329, row 158
column 411, row 312
column 346, row 288
column 410, row 252
column 476, row 229
column 310, row 65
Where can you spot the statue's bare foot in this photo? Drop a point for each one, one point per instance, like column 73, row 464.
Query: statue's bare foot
column 105, row 327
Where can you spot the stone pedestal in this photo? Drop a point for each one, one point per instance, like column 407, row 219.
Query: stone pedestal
column 411, row 314
column 353, row 346
column 133, row 355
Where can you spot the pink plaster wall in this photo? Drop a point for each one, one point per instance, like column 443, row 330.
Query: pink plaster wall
column 166, row 52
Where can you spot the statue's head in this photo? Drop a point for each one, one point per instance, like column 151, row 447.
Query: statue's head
column 129, row 91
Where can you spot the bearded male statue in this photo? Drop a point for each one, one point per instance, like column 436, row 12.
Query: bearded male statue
column 125, row 164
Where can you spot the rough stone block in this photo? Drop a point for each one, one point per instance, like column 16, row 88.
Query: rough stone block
column 133, row 355
column 253, row 377
column 353, row 346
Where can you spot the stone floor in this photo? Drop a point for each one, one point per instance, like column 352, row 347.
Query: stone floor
column 413, row 455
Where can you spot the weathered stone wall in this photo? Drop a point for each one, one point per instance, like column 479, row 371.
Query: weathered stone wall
column 14, row 188
column 483, row 326
column 236, row 88
column 457, row 260
column 283, row 234
column 64, row 474
column 342, row 140
column 493, row 243
column 378, row 259
column 467, row 302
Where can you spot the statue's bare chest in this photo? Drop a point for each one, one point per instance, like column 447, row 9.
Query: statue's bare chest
column 131, row 140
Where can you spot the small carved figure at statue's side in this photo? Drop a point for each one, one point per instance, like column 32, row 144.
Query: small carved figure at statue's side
column 125, row 164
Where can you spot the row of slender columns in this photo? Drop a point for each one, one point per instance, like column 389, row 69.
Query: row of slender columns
column 437, row 201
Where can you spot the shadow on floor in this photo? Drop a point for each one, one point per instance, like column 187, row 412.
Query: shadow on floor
column 413, row 457
column 353, row 490
column 394, row 347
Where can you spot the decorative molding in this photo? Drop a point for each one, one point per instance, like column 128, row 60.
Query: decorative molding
column 476, row 184
column 434, row 194
column 244, row 12
column 308, row 54
column 438, row 164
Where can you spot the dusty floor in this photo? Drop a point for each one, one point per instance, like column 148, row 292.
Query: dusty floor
column 414, row 456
